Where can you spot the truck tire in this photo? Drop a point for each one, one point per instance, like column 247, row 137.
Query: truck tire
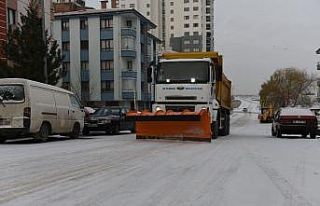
column 75, row 131
column 223, row 131
column 44, row 132
column 214, row 130
column 278, row 133
column 2, row 140
column 228, row 124
column 313, row 135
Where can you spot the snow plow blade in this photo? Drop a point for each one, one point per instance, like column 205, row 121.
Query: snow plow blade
column 188, row 126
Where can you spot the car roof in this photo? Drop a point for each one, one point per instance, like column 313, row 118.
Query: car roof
column 296, row 111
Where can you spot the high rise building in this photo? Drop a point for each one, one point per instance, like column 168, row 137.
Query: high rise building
column 68, row 5
column 189, row 25
column 151, row 9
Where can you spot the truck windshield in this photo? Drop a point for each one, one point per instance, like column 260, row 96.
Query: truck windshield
column 11, row 93
column 183, row 72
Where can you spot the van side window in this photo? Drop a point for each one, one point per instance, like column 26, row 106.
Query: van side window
column 74, row 102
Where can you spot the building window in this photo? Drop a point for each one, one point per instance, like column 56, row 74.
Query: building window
column 131, row 6
column 84, row 23
column 186, row 1
column 195, row 1
column 186, row 33
column 195, row 16
column 148, row 5
column 129, row 23
column 186, row 42
column 208, row 26
column 195, row 8
column 106, row 45
column 11, row 17
column 84, row 45
column 186, row 25
column 171, row 19
column 106, row 23
column 208, row 11
column 85, row 86
column 171, row 3
column 129, row 65
column 171, row 27
column 65, row 46
column 195, row 25
column 196, row 49
column 207, row 18
column 171, row 11
column 65, row 25
column 186, row 9
column 196, row 41
column 148, row 13
column 107, row 65
column 186, row 17
column 128, row 43
column 66, row 66
column 208, row 2
column 107, row 86
column 84, row 65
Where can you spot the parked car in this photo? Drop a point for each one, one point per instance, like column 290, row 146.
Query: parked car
column 39, row 110
column 316, row 111
column 294, row 121
column 109, row 119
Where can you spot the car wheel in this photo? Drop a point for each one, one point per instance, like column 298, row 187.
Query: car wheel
column 278, row 133
column 2, row 140
column 115, row 128
column 43, row 133
column 85, row 131
column 75, row 131
column 313, row 135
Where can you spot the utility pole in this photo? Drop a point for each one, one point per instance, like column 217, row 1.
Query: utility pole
column 44, row 36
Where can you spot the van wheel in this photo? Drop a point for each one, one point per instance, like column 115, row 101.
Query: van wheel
column 75, row 131
column 43, row 133
column 313, row 135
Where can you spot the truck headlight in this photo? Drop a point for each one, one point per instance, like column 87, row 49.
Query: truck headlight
column 158, row 108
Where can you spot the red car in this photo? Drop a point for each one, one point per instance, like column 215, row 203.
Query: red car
column 294, row 121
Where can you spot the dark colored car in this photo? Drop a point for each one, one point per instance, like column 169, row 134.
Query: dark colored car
column 111, row 120
column 294, row 121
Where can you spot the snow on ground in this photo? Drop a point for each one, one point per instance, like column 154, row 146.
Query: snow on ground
column 246, row 168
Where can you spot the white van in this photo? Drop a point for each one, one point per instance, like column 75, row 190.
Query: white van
column 32, row 108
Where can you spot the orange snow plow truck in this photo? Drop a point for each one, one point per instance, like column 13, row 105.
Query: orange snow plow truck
column 191, row 99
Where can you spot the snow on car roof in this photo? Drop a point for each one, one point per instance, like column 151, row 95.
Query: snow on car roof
column 296, row 111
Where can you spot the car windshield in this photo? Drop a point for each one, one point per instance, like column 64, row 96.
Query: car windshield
column 11, row 93
column 183, row 72
column 101, row 112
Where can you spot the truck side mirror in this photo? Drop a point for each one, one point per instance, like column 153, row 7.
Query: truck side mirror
column 149, row 73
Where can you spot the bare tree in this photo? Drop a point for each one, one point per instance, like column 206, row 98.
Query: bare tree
column 287, row 87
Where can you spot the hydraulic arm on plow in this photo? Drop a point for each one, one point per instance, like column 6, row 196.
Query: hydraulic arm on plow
column 192, row 99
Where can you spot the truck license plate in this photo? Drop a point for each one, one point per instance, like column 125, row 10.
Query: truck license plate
column 299, row 121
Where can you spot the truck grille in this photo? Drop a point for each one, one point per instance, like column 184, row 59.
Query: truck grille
column 4, row 122
column 181, row 98
column 180, row 108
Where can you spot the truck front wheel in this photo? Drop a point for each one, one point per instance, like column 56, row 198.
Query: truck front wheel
column 214, row 130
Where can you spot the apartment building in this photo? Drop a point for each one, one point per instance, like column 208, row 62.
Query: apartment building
column 189, row 25
column 106, row 55
column 151, row 9
column 68, row 5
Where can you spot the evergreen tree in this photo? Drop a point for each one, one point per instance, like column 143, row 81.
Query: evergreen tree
column 27, row 50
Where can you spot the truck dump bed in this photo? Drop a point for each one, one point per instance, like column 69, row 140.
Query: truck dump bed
column 223, row 92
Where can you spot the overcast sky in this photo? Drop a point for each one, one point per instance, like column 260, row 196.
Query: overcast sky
column 257, row 37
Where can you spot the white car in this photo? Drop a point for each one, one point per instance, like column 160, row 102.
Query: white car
column 39, row 110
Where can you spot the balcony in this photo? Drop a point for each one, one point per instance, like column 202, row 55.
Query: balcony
column 107, row 75
column 128, row 53
column 129, row 75
column 128, row 32
column 84, row 34
column 106, row 55
column 85, row 75
column 107, row 96
column 106, row 33
column 128, row 95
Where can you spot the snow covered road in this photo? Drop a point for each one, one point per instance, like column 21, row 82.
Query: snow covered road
column 246, row 168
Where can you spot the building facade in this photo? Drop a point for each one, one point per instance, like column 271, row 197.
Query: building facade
column 189, row 25
column 106, row 55
column 68, row 5
column 151, row 9
column 3, row 25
